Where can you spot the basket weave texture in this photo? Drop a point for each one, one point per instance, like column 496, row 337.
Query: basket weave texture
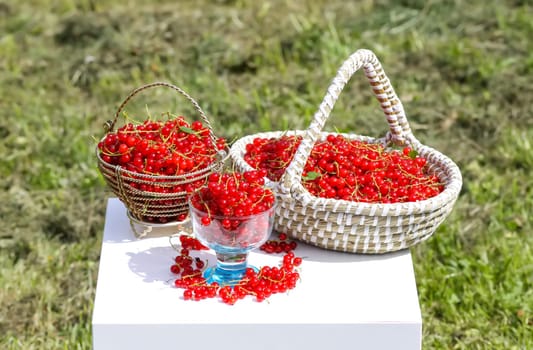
column 355, row 227
column 143, row 204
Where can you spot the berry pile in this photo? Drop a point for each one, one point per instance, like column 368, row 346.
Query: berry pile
column 281, row 245
column 233, row 209
column 260, row 284
column 272, row 154
column 234, row 194
column 173, row 147
column 351, row 170
column 185, row 265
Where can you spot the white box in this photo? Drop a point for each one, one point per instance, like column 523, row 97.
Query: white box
column 343, row 301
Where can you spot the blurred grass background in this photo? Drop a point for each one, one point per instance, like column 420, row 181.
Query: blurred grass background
column 463, row 70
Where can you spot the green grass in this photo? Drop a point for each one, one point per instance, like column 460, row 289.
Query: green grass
column 462, row 69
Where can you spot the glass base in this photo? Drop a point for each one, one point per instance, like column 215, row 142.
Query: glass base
column 229, row 270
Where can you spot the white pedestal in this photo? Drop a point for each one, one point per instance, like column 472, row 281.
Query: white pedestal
column 343, row 301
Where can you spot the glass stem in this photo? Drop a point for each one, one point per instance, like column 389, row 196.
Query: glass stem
column 230, row 268
column 232, row 262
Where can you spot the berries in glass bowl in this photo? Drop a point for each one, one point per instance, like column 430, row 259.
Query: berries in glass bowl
column 232, row 214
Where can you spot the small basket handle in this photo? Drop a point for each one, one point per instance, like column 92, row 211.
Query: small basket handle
column 109, row 125
column 399, row 131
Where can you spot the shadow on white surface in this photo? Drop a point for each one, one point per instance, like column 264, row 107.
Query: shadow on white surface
column 120, row 231
column 153, row 264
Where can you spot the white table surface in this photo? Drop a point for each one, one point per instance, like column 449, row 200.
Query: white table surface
column 343, row 301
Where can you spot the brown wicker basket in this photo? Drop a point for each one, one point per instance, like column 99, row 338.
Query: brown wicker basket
column 159, row 207
column 366, row 228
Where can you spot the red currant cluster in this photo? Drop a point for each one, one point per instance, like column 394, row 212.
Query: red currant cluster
column 352, row 170
column 185, row 265
column 233, row 194
column 281, row 245
column 272, row 154
column 173, row 147
column 260, row 284
column 233, row 209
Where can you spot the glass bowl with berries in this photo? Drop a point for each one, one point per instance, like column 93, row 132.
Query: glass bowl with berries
column 232, row 214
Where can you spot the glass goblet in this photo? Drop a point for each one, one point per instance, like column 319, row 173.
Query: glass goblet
column 231, row 238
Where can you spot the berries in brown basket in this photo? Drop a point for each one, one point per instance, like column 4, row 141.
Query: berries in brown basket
column 352, row 170
column 172, row 147
column 161, row 149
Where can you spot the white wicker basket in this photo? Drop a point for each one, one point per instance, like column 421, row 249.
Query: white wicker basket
column 366, row 228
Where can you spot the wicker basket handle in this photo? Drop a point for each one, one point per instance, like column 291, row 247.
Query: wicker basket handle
column 109, row 126
column 399, row 131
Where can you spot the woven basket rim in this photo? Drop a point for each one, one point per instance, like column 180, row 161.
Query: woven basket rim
column 175, row 223
column 222, row 155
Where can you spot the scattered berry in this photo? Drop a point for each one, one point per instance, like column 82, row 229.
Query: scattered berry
column 260, row 284
column 281, row 245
